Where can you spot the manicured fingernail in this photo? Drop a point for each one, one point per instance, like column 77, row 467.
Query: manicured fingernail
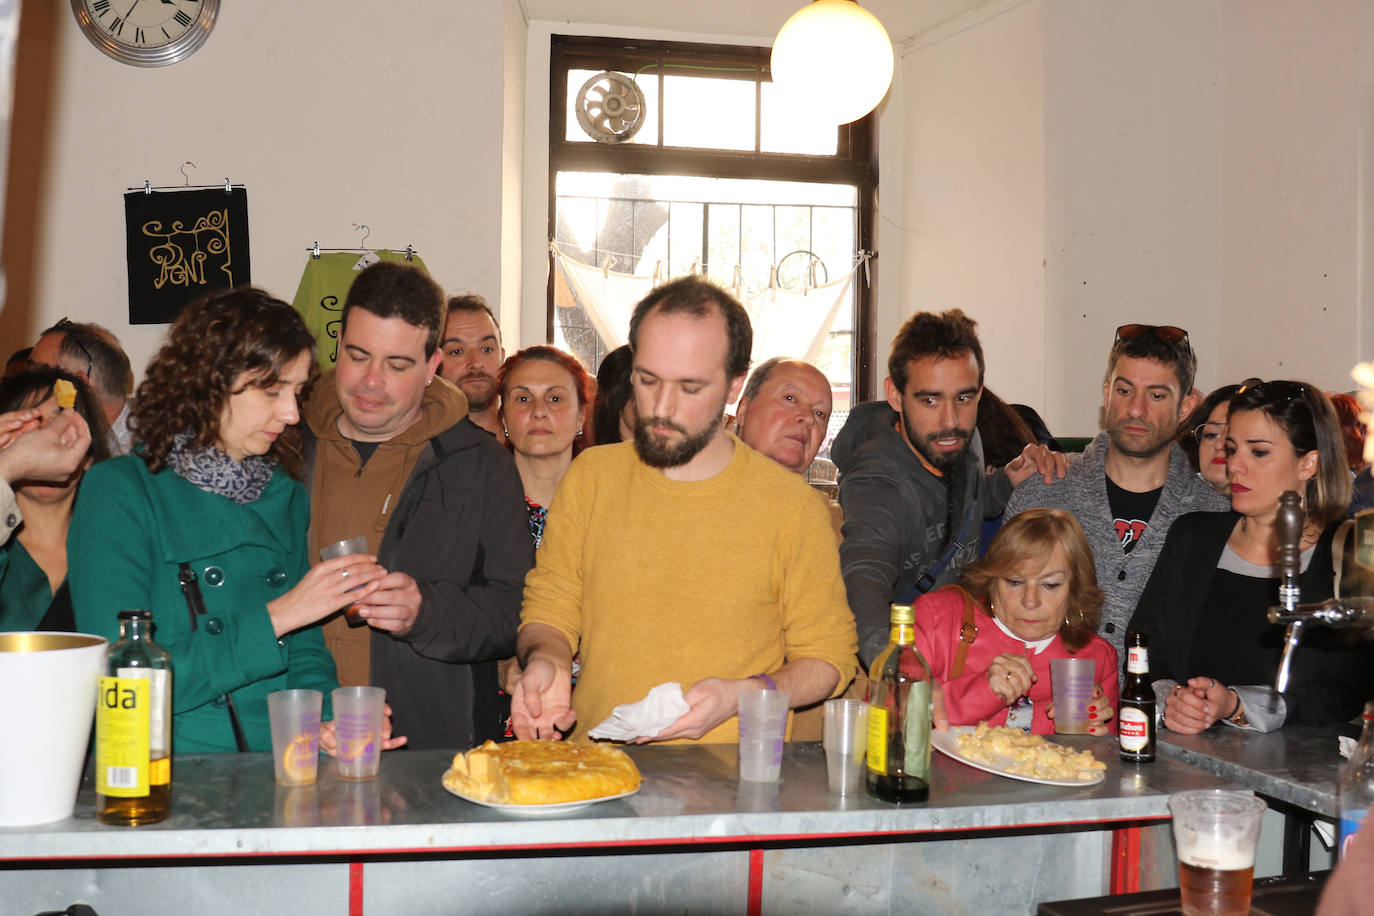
column 1092, row 709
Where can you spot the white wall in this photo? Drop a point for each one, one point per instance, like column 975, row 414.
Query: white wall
column 1205, row 163
column 1132, row 138
column 329, row 113
column 973, row 214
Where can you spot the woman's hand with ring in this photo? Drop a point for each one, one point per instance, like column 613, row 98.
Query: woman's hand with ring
column 329, row 586
column 1010, row 677
column 1217, row 700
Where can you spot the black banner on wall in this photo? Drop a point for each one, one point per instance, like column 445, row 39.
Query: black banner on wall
column 182, row 245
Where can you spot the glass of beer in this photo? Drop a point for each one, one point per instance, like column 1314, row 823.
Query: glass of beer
column 1215, row 831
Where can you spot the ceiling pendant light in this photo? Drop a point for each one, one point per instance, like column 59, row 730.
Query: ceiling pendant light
column 834, row 59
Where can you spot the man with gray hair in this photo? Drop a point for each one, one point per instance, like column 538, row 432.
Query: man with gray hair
column 93, row 353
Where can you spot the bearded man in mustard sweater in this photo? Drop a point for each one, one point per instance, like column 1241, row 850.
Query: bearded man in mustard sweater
column 684, row 555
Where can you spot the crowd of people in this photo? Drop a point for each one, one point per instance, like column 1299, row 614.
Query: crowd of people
column 543, row 545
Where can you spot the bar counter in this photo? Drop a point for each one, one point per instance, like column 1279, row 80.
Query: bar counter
column 694, row 838
column 1297, row 765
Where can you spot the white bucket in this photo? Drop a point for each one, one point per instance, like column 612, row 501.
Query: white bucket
column 48, row 681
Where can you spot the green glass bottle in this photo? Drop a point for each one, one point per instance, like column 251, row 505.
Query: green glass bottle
column 899, row 716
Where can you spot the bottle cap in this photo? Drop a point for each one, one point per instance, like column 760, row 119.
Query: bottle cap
column 136, row 615
column 903, row 613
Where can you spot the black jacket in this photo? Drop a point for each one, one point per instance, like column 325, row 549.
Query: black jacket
column 461, row 529
column 895, row 513
column 1328, row 682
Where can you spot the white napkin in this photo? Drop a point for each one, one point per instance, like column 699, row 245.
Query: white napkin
column 661, row 707
column 1347, row 746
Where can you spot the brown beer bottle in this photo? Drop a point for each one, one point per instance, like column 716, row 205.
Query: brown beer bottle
column 899, row 716
column 1136, row 718
column 133, row 727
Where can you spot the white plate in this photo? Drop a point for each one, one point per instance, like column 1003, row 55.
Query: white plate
column 533, row 810
column 946, row 743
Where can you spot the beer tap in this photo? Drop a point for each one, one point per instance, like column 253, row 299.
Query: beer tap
column 1333, row 612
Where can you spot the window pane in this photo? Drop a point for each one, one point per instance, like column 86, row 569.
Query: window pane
column 661, row 220
column 787, row 129
column 708, row 113
column 723, row 240
column 607, row 97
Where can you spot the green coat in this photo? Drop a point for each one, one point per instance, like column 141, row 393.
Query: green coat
column 24, row 590
column 131, row 529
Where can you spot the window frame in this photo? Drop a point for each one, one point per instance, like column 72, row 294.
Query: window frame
column 854, row 162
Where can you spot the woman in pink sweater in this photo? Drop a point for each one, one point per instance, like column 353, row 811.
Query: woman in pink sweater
column 1031, row 599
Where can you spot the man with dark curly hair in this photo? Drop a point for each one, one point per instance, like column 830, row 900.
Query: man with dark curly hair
column 913, row 484
column 397, row 459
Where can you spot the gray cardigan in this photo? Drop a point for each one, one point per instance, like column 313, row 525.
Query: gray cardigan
column 1083, row 492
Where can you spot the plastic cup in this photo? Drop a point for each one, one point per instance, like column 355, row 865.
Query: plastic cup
column 295, row 719
column 1215, row 832
column 344, row 548
column 845, row 741
column 358, row 728
column 1071, row 683
column 762, row 727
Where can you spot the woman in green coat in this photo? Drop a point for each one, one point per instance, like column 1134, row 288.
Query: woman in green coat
column 209, row 498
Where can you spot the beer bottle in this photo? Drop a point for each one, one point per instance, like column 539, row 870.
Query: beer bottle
column 899, row 716
column 133, row 727
column 1357, row 783
column 1136, row 718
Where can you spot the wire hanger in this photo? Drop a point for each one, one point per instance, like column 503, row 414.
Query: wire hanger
column 149, row 187
column 361, row 247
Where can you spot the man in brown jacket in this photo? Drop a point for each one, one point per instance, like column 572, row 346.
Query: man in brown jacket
column 396, row 459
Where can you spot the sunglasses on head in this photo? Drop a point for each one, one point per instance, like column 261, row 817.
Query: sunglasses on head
column 70, row 333
column 1165, row 332
column 1279, row 389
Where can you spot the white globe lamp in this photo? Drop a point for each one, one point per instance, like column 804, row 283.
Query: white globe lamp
column 833, row 60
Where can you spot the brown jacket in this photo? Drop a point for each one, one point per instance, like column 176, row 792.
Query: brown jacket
column 347, row 499
column 442, row 501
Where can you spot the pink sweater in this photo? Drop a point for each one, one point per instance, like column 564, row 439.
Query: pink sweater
column 968, row 698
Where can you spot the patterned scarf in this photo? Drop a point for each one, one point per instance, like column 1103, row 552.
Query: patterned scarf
column 211, row 470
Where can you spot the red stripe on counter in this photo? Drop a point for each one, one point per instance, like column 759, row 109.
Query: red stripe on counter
column 355, row 889
column 1125, row 860
column 755, row 904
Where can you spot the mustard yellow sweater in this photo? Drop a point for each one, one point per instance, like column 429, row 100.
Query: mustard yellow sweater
column 658, row 580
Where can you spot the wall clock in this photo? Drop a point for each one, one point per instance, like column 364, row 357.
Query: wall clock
column 146, row 33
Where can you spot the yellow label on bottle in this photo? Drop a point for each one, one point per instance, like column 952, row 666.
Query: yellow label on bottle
column 877, row 739
column 121, row 737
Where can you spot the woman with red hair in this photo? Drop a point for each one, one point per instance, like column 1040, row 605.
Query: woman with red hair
column 544, row 397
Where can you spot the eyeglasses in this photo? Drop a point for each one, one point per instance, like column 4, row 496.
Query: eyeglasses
column 1165, row 332
column 1208, row 435
column 72, row 333
column 1279, row 390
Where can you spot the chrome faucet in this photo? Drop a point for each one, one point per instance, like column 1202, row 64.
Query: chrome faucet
column 1333, row 612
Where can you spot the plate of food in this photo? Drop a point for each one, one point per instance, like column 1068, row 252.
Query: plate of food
column 541, row 777
column 1012, row 753
column 536, row 810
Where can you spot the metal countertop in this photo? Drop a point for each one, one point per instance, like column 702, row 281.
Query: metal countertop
column 228, row 805
column 1298, row 764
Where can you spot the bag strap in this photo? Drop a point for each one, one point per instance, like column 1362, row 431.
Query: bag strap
column 968, row 632
column 195, row 607
column 926, row 581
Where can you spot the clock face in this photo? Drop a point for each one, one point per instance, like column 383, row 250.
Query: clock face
column 146, row 33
